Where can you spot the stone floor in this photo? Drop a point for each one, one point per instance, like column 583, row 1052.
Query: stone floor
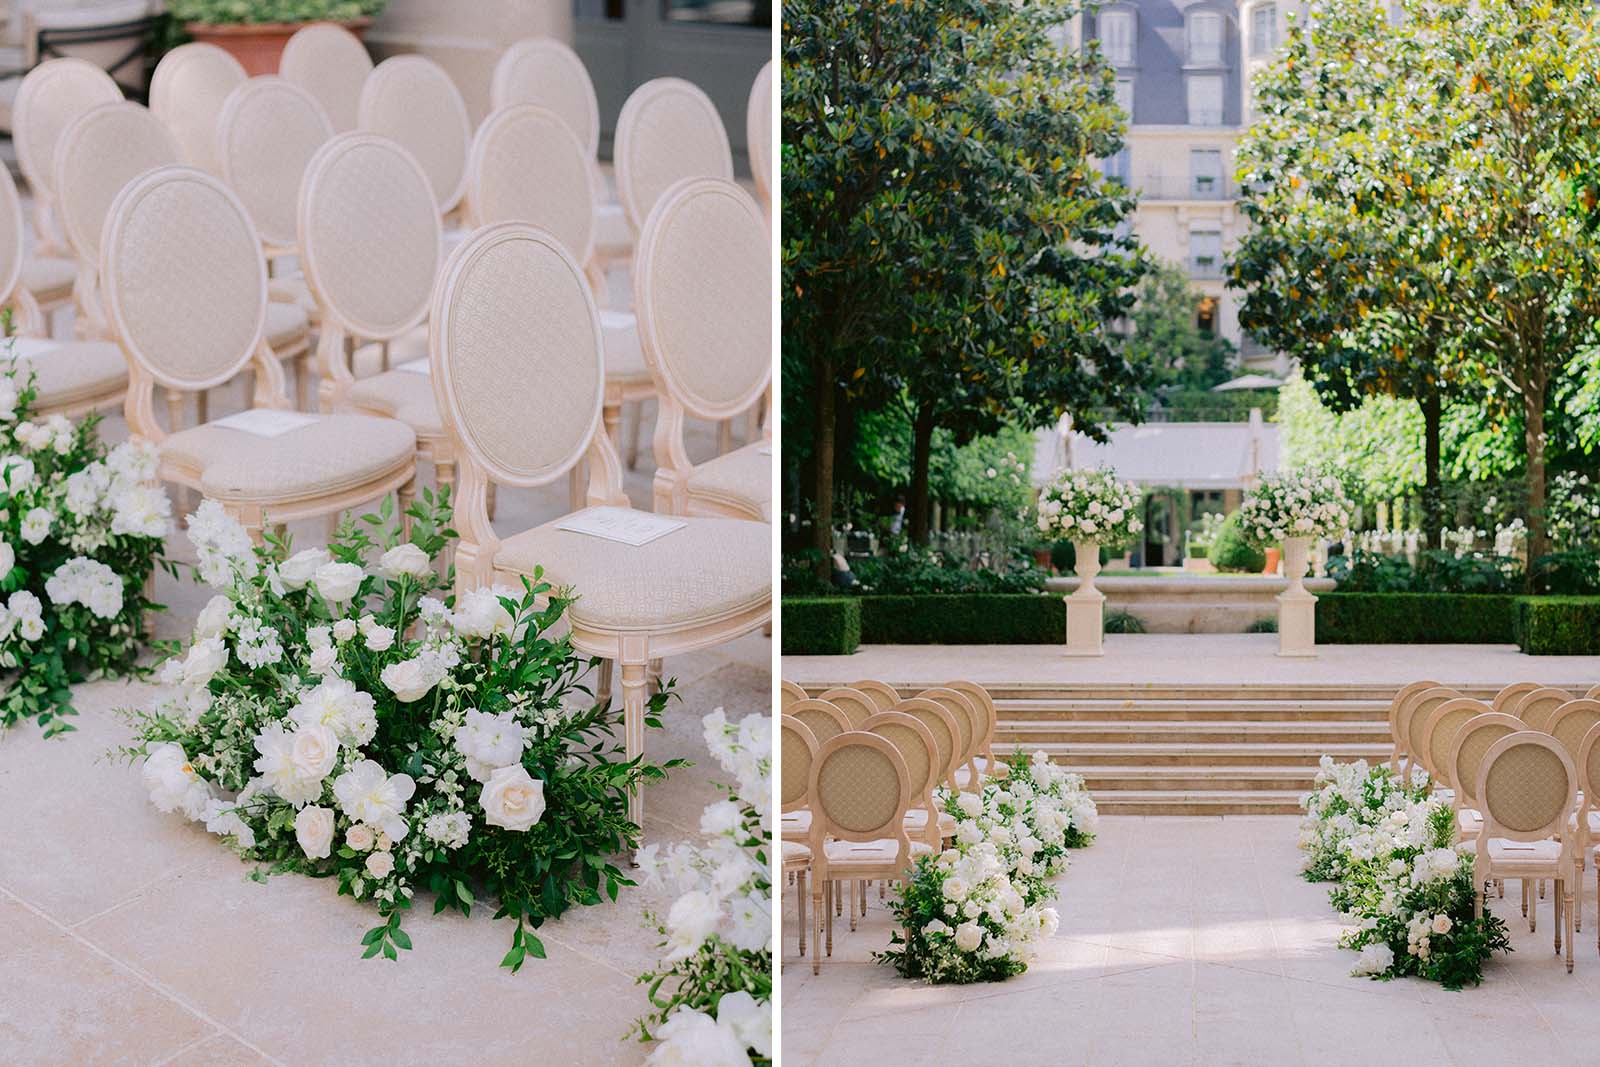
column 131, row 937
column 1192, row 941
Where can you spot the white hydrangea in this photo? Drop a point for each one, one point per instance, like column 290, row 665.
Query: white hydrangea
column 89, row 582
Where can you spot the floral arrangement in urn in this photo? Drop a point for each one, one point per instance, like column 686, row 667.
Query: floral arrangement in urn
column 1090, row 507
column 338, row 715
column 81, row 532
column 1295, row 504
column 711, row 993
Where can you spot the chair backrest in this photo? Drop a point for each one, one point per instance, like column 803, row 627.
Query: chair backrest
column 96, row 157
column 668, row 130
column 917, row 747
column 1401, row 700
column 545, row 71
column 187, row 92
column 1527, row 786
column 758, row 131
column 267, row 132
column 884, row 695
column 1535, row 708
column 526, row 165
column 788, row 693
column 1509, row 697
column 968, row 719
column 184, row 280
column 11, row 237
column 411, row 99
column 49, row 99
column 1588, row 763
column 1440, row 734
column 368, row 233
column 330, row 63
column 857, row 707
column 797, row 747
column 942, row 725
column 1420, row 709
column 1593, row 693
column 980, row 698
column 514, row 342
column 702, row 283
column 1472, row 741
column 821, row 718
column 860, row 790
column 1572, row 721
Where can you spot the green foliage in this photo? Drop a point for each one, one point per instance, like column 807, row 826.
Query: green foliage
column 1558, row 625
column 1166, row 338
column 1122, row 622
column 1202, row 405
column 957, row 474
column 1415, row 618
column 1231, row 550
column 1375, row 446
column 821, row 626
column 1575, row 573
column 925, row 949
column 1266, row 625
column 916, row 571
column 221, row 12
column 974, row 618
column 1436, row 571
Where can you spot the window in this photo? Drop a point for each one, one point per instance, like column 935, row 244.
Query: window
column 1119, row 167
column 1116, row 37
column 1205, row 99
column 1205, row 172
column 1205, row 253
column 1263, row 29
column 1125, row 96
column 1205, row 38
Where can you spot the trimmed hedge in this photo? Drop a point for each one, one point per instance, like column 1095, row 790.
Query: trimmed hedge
column 970, row 619
column 1415, row 618
column 821, row 626
column 1558, row 625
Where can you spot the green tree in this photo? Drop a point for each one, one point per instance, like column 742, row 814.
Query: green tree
column 948, row 239
column 1376, row 446
column 1166, row 336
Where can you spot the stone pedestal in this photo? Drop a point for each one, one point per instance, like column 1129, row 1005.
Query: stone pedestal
column 1086, row 605
column 1297, row 608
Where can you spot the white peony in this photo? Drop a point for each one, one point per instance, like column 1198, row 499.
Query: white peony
column 693, row 918
column 313, row 829
column 512, row 799
column 694, row 1039
column 750, row 1020
column 297, row 571
column 1375, row 958
column 367, row 793
column 490, row 742
column 172, row 781
column 293, row 765
column 410, row 679
column 480, row 614
column 36, row 526
column 338, row 582
column 213, row 618
column 8, row 559
column 405, row 561
column 337, row 704
column 204, row 660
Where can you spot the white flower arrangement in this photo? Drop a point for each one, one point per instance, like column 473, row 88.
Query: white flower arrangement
column 81, row 531
column 1090, row 506
column 337, row 714
column 1295, row 504
column 711, row 992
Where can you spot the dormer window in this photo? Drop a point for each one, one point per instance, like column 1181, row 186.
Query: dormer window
column 1263, row 29
column 1116, row 37
column 1205, row 39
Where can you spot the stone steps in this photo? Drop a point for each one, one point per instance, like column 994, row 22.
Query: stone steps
column 1114, row 781
column 1188, row 709
column 1030, row 735
column 1200, row 802
column 1137, row 754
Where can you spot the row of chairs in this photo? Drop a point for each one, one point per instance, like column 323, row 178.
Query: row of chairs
column 1521, row 772
column 861, row 765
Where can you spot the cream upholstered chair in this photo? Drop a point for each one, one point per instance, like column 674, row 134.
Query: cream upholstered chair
column 1588, row 764
column 330, row 63
column 702, row 284
column 1569, row 724
column 856, row 706
column 1508, row 697
column 860, row 790
column 1528, row 787
column 912, row 737
column 788, row 693
column 758, row 133
column 1593, row 693
column 187, row 92
column 884, row 695
column 411, row 99
column 797, row 748
column 1439, row 737
column 946, row 734
column 1472, row 739
column 985, row 760
column 795, row 813
column 71, row 377
column 1397, row 736
column 668, row 130
column 820, row 717
column 186, row 289
column 1535, row 708
column 969, row 732
column 1414, row 717
column 365, row 201
column 526, row 165
column 545, row 71
column 515, row 342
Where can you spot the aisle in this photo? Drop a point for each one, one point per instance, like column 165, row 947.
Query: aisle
column 1192, row 941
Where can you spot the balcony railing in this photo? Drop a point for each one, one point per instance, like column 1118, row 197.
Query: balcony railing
column 1205, row 267
column 1187, row 187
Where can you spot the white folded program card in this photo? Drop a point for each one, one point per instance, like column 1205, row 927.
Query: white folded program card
column 765, row 450
column 415, row 366
column 264, row 422
column 620, row 524
column 33, row 347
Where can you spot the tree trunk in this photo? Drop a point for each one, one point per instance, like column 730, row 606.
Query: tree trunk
column 1533, row 424
column 1432, row 502
column 822, row 517
column 921, row 456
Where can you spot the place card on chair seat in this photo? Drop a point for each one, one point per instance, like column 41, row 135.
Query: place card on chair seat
column 623, row 525
column 265, row 422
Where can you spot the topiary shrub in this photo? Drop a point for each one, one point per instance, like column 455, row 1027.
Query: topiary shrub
column 821, row 626
column 1415, row 618
column 1267, row 625
column 1230, row 551
column 1558, row 625
column 962, row 619
column 1123, row 622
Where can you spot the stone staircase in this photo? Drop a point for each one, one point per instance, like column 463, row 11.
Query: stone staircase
column 1247, row 749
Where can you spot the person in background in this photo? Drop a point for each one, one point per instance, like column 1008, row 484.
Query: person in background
column 898, row 523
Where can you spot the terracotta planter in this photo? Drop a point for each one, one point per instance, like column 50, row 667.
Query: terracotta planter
column 1272, row 561
column 1041, row 559
column 258, row 45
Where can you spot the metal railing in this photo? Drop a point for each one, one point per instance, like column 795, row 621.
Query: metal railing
column 1186, row 187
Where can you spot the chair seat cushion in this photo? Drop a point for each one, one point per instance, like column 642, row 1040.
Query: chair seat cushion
column 703, row 572
column 612, row 237
column 293, row 289
column 287, row 325
column 412, row 345
column 76, row 371
column 843, row 855
column 1470, row 821
column 796, row 825
column 48, row 278
column 1593, row 820
column 916, row 821
column 399, row 394
column 333, row 454
column 796, row 853
column 741, row 478
column 1505, row 854
column 624, row 356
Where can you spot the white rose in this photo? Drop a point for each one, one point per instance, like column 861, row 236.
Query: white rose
column 512, row 799
column 1441, row 923
column 969, row 935
column 750, row 1020
column 480, row 614
column 213, row 619
column 8, row 559
column 313, row 828
column 314, row 752
column 408, row 680
column 970, row 804
column 379, row 864
column 379, row 638
column 360, row 837
column 205, row 659
column 694, row 1039
column 324, row 660
column 36, row 526
column 338, row 582
column 301, row 567
column 405, row 561
column 172, row 781
column 344, row 630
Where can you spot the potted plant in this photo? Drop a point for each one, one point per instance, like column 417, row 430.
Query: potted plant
column 255, row 31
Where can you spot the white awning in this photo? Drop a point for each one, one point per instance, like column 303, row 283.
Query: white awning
column 1183, row 455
